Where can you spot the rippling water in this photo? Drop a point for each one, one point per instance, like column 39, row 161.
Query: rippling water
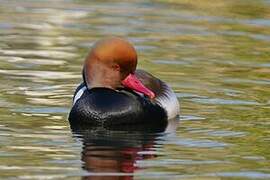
column 215, row 55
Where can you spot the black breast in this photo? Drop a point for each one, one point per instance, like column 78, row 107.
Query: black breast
column 107, row 107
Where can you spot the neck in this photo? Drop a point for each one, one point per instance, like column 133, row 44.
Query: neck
column 102, row 76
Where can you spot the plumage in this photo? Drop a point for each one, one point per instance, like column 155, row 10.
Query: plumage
column 113, row 93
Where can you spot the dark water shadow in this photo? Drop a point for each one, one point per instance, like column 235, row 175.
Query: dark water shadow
column 111, row 153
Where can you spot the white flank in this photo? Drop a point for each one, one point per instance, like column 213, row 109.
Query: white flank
column 169, row 102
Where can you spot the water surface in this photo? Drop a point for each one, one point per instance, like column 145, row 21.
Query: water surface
column 216, row 57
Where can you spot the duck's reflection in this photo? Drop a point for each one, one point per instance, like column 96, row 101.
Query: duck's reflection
column 112, row 153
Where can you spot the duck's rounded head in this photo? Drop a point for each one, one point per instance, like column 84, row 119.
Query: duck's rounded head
column 111, row 63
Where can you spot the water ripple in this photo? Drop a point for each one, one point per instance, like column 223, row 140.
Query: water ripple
column 38, row 53
column 219, row 101
column 40, row 74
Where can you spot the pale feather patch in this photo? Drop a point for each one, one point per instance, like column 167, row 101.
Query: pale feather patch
column 79, row 94
column 168, row 101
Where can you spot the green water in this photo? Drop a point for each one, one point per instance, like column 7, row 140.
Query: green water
column 214, row 54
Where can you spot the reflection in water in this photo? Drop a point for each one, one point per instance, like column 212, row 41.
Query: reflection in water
column 113, row 153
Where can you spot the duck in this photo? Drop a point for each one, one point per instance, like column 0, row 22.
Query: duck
column 113, row 92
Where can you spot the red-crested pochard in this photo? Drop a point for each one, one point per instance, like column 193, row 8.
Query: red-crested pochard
column 113, row 92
